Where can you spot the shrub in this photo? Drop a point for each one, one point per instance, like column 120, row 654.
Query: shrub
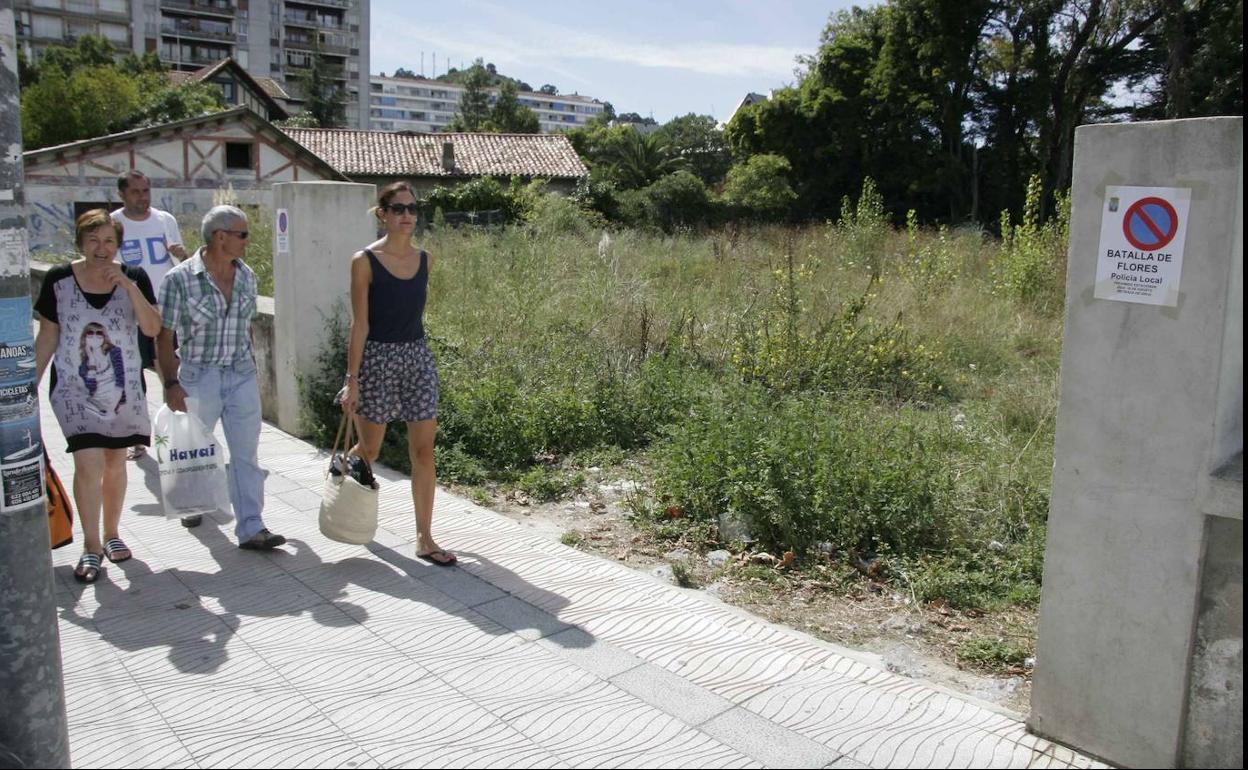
column 809, row 470
column 1031, row 265
column 760, row 187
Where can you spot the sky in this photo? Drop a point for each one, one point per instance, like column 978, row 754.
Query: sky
column 662, row 58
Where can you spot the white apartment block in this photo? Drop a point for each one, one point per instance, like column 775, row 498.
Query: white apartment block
column 268, row 38
column 428, row 106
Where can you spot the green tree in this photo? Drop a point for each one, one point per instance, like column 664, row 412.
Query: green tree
column 87, row 51
column 761, row 186
column 474, row 104
column 509, row 115
column 928, row 63
column 675, row 200
column 635, row 160
column 1092, row 48
column 80, row 91
column 324, row 97
column 91, row 102
column 161, row 102
column 699, row 142
column 1194, row 60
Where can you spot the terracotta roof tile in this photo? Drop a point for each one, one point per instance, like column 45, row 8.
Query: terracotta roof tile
column 382, row 153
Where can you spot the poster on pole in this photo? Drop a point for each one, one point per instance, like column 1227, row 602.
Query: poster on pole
column 21, row 447
column 1143, row 231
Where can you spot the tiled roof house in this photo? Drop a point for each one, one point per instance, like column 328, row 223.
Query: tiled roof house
column 429, row 160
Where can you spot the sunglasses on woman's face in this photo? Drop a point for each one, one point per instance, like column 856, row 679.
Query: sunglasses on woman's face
column 94, row 334
column 403, row 208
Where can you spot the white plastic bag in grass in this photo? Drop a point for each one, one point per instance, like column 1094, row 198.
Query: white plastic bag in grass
column 192, row 465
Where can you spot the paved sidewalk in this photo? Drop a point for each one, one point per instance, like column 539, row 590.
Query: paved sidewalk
column 529, row 654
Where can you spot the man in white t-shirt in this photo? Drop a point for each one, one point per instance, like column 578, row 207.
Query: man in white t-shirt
column 151, row 241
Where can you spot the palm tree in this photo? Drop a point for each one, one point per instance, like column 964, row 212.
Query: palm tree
column 160, row 441
column 638, row 160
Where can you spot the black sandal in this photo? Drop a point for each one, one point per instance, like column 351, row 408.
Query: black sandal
column 113, row 547
column 88, row 569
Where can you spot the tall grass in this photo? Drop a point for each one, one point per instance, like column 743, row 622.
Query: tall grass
column 869, row 391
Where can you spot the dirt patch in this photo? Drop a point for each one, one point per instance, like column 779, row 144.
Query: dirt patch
column 970, row 652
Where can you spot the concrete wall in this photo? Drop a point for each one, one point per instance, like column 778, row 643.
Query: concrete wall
column 329, row 222
column 50, row 208
column 1215, row 709
column 1146, row 432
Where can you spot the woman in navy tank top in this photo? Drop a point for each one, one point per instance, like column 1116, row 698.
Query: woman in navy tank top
column 390, row 371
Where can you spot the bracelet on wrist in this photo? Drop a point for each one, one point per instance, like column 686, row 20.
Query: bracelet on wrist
column 170, row 383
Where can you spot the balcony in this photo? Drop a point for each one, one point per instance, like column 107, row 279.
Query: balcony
column 296, row 68
column 311, row 22
column 324, row 3
column 194, row 32
column 308, row 44
column 221, row 8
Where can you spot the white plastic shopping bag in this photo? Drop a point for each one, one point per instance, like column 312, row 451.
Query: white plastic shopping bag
column 192, row 465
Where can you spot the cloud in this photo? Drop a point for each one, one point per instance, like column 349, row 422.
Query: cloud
column 559, row 47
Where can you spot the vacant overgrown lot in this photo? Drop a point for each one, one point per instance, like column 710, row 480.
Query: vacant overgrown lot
column 869, row 398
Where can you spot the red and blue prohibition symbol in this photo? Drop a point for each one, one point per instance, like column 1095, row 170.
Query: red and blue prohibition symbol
column 1150, row 223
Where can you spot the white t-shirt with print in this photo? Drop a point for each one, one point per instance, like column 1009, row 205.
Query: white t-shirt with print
column 145, row 243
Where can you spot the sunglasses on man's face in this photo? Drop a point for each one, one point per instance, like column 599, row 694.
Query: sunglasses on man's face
column 403, row 208
column 240, row 234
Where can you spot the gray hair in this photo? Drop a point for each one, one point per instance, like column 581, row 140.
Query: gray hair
column 220, row 218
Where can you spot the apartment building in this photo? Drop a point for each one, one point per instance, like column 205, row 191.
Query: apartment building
column 268, row 38
column 428, row 106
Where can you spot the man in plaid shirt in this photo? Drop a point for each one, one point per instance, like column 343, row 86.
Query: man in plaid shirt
column 208, row 301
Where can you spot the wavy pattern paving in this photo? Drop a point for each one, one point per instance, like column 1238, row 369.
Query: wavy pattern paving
column 528, row 655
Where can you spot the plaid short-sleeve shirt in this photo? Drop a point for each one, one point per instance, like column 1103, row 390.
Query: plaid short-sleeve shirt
column 209, row 330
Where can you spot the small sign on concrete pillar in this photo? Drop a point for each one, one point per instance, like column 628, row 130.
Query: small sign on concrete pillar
column 326, row 223
column 1143, row 230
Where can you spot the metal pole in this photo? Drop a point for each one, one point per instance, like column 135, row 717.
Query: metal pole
column 33, row 727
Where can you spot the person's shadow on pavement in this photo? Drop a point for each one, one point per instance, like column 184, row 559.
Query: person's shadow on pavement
column 196, row 636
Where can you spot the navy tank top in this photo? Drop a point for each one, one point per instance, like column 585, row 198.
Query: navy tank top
column 396, row 306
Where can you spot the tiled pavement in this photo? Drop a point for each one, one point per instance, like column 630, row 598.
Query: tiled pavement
column 529, row 654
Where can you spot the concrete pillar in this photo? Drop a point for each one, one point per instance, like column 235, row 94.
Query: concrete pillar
column 326, row 222
column 1149, row 468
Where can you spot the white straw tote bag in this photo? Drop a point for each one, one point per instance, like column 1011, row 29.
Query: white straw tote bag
column 348, row 508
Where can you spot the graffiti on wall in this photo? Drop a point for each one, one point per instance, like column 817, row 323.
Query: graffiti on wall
column 50, row 225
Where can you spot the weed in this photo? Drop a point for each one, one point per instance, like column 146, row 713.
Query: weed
column 683, row 574
column 992, row 653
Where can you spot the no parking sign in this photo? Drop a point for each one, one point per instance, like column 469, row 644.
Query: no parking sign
column 1143, row 230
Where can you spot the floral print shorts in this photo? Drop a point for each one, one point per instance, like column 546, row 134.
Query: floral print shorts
column 398, row 381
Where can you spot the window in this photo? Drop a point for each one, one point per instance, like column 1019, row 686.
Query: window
column 238, row 156
column 47, row 26
column 116, row 33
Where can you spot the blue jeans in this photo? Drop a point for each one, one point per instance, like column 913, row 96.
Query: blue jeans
column 232, row 395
